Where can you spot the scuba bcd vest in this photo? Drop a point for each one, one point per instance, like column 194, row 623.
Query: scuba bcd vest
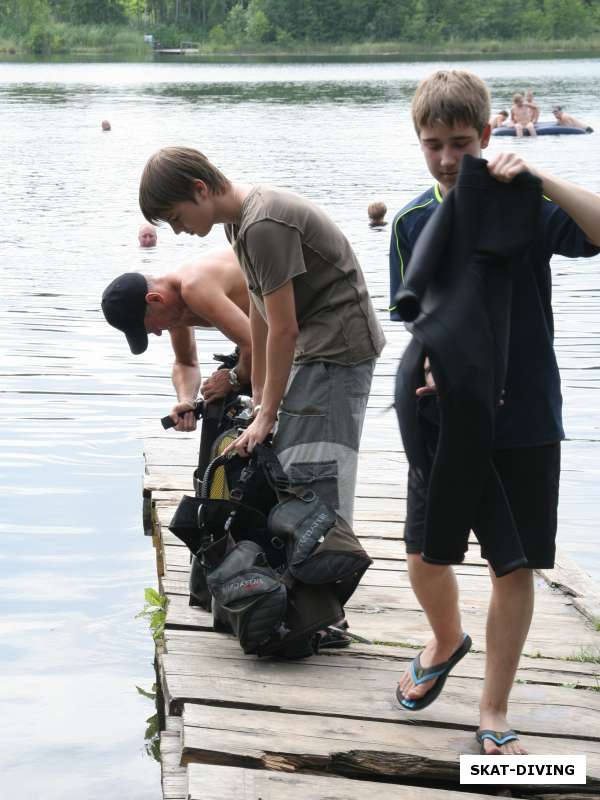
column 275, row 564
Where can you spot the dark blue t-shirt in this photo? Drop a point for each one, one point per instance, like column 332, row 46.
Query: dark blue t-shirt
column 532, row 410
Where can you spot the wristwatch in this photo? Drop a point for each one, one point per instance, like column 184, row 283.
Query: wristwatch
column 233, row 377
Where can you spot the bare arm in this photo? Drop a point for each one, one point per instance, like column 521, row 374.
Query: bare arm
column 185, row 376
column 217, row 309
column 280, row 345
column 229, row 318
column 282, row 334
column 259, row 330
column 580, row 204
column 534, row 111
column 572, row 121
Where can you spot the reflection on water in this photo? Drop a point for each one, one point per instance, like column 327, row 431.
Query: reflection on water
column 75, row 404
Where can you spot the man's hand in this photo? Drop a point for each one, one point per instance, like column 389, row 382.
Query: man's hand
column 430, row 387
column 255, row 433
column 187, row 422
column 216, row 386
column 505, row 166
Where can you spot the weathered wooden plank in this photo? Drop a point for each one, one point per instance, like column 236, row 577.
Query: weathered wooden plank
column 181, row 615
column 574, row 582
column 410, row 626
column 286, row 742
column 382, row 573
column 214, row 782
column 369, row 486
column 182, row 452
column 373, row 599
column 384, row 549
column 389, row 570
column 381, row 529
column 173, row 775
column 549, row 609
column 392, row 660
column 362, row 692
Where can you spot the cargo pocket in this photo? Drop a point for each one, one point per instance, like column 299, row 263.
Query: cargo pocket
column 320, row 476
column 304, row 415
column 307, row 394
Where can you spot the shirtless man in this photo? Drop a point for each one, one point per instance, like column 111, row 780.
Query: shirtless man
column 562, row 118
column 532, row 106
column 499, row 119
column 521, row 116
column 211, row 293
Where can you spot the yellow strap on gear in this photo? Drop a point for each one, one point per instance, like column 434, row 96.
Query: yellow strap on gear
column 219, row 489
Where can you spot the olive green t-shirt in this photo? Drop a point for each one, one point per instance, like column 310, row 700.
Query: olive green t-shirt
column 283, row 237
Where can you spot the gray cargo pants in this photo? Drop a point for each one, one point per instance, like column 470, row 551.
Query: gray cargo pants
column 319, row 428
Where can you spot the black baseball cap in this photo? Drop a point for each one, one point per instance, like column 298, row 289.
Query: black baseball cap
column 124, row 306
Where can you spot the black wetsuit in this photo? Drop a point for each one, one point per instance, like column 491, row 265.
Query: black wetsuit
column 457, row 296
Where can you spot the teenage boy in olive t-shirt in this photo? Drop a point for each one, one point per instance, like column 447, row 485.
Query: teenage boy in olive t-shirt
column 315, row 336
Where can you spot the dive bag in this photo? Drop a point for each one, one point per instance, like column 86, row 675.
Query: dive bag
column 273, row 561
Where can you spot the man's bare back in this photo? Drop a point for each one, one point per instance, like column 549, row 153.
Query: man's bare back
column 216, row 273
column 562, row 118
column 210, row 293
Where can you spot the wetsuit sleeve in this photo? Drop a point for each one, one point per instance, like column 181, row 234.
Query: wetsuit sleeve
column 562, row 234
column 400, row 253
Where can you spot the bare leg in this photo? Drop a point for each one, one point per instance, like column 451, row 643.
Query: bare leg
column 531, row 129
column 509, row 618
column 437, row 591
column 518, row 129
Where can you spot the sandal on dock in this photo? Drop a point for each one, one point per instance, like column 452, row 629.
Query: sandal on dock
column 334, row 637
column 421, row 674
column 498, row 737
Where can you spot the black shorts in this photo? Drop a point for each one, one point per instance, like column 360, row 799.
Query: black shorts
column 530, row 476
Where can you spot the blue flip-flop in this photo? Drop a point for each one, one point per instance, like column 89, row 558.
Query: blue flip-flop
column 498, row 737
column 421, row 674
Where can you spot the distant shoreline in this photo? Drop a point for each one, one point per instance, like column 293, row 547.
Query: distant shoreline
column 131, row 47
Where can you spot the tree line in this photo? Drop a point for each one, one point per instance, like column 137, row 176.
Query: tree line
column 245, row 22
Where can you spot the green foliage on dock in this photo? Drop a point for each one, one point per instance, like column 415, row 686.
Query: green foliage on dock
column 152, row 732
column 586, row 655
column 155, row 611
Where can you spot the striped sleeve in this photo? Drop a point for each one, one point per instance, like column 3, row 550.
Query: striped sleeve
column 406, row 227
column 399, row 257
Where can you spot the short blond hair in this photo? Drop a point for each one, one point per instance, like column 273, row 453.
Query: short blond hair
column 169, row 176
column 451, row 96
column 518, row 98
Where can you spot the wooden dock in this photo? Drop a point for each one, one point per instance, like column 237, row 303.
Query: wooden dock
column 330, row 726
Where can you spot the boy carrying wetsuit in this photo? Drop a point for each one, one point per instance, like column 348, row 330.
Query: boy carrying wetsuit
column 450, row 112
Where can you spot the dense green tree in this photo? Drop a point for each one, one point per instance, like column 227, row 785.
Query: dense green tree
column 89, row 11
column 287, row 22
column 20, row 15
column 569, row 18
column 258, row 25
column 235, row 24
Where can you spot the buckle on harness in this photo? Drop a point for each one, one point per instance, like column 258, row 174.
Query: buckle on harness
column 306, row 495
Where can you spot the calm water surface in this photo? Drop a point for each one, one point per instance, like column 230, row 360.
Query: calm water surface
column 75, row 405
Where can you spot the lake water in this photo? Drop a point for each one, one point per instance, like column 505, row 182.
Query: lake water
column 75, row 405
